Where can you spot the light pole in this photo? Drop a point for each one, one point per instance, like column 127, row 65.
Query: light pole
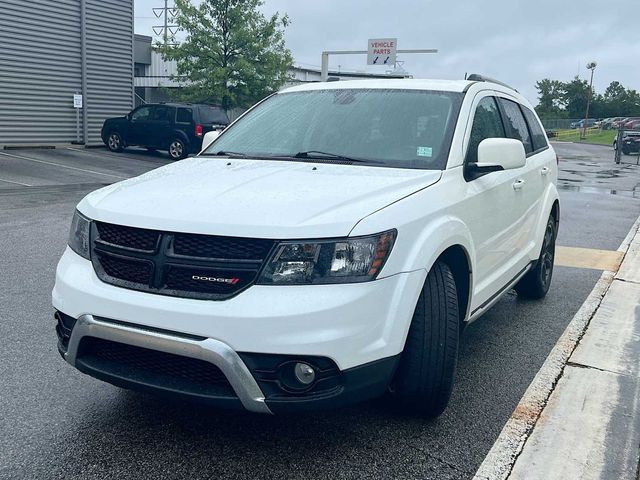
column 590, row 66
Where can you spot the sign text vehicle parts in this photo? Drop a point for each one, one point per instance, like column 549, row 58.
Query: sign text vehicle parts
column 382, row 51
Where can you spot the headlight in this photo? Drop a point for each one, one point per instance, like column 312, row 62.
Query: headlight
column 79, row 235
column 347, row 260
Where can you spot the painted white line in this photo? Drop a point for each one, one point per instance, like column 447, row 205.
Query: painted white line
column 16, row 183
column 62, row 166
column 504, row 452
column 95, row 153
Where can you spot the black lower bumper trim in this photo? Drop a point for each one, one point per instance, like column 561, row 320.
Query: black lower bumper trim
column 357, row 384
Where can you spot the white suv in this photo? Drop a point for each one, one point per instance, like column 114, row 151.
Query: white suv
column 328, row 247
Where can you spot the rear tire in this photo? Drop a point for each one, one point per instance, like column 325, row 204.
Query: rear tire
column 535, row 284
column 177, row 149
column 424, row 379
column 115, row 142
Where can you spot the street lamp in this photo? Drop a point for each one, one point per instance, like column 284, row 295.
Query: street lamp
column 590, row 66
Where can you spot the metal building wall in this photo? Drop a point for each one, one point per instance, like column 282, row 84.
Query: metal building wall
column 41, row 67
column 40, row 70
column 109, row 54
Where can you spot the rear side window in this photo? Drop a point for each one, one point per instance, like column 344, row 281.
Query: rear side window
column 161, row 114
column 213, row 115
column 486, row 124
column 516, row 124
column 184, row 115
column 538, row 136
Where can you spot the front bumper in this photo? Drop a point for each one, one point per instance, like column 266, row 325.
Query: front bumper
column 352, row 334
column 246, row 388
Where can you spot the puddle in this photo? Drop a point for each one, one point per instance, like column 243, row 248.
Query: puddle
column 606, row 191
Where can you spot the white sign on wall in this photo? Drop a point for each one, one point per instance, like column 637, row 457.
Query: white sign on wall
column 382, row 51
column 77, row 101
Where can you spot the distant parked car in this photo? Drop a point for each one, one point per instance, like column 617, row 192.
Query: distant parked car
column 631, row 144
column 175, row 127
column 580, row 123
column 607, row 124
column 618, row 123
column 626, row 135
column 630, row 122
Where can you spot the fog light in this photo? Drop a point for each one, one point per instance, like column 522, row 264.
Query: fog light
column 304, row 373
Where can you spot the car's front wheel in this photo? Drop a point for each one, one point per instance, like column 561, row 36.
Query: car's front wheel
column 535, row 283
column 114, row 142
column 424, row 379
column 177, row 149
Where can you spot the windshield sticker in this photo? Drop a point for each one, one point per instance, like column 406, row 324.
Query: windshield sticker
column 425, row 151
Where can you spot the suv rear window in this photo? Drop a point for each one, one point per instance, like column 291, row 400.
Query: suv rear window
column 184, row 115
column 537, row 134
column 213, row 115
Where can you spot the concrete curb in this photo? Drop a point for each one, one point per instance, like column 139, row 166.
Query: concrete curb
column 500, row 460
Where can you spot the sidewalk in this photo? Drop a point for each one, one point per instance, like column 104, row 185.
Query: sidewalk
column 580, row 418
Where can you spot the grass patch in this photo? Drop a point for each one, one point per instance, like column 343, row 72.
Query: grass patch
column 596, row 137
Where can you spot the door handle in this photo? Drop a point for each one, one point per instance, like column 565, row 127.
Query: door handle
column 544, row 171
column 518, row 184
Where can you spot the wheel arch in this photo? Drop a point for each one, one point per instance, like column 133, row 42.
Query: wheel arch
column 457, row 259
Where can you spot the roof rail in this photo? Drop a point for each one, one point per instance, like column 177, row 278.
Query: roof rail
column 475, row 77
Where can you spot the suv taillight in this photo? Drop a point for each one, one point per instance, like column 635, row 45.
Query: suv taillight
column 198, row 130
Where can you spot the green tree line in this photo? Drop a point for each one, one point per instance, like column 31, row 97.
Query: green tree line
column 558, row 99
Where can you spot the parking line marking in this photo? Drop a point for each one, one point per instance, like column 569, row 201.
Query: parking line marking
column 592, row 258
column 62, row 166
column 16, row 183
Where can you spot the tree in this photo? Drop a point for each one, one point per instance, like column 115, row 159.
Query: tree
column 551, row 97
column 232, row 53
column 575, row 97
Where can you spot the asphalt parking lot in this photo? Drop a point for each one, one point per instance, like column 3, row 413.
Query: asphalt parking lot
column 58, row 423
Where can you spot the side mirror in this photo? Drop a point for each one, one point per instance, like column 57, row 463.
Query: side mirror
column 496, row 154
column 209, row 138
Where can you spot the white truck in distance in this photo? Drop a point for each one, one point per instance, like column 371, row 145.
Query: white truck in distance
column 328, row 247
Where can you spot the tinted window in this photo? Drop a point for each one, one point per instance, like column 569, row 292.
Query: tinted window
column 161, row 114
column 486, row 124
column 141, row 114
column 516, row 125
column 184, row 115
column 537, row 134
column 392, row 127
column 213, row 115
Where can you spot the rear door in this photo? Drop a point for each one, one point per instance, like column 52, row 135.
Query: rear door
column 535, row 176
column 160, row 126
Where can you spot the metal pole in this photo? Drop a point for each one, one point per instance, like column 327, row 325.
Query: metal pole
column 166, row 13
column 586, row 115
column 324, row 70
column 77, row 123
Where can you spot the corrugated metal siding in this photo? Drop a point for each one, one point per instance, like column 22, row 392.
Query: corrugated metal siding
column 40, row 70
column 109, row 62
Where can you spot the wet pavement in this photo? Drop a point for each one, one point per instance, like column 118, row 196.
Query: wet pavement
column 58, row 423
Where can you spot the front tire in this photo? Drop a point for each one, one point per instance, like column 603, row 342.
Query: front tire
column 535, row 284
column 115, row 142
column 177, row 149
column 424, row 379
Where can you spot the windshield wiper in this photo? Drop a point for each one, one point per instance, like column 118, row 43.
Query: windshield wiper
column 224, row 153
column 319, row 155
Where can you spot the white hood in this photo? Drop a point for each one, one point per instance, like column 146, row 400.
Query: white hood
column 254, row 198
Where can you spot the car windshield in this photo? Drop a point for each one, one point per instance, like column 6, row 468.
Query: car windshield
column 384, row 127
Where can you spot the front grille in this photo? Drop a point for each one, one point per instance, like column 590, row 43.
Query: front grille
column 129, row 237
column 151, row 367
column 220, row 247
column 177, row 264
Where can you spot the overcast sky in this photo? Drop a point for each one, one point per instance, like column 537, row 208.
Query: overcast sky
column 516, row 41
